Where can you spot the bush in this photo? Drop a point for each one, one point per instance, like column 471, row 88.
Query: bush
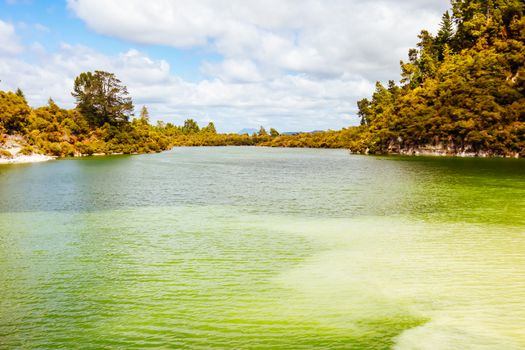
column 5, row 154
column 26, row 151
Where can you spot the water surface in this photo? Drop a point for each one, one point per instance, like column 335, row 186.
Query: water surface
column 255, row 248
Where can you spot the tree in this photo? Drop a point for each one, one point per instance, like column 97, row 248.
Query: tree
column 273, row 132
column 14, row 113
column 364, row 111
column 20, row 93
column 262, row 132
column 144, row 115
column 462, row 90
column 102, row 98
column 445, row 35
column 210, row 128
column 190, row 127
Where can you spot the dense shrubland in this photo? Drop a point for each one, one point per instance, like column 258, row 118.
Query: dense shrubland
column 60, row 132
column 462, row 90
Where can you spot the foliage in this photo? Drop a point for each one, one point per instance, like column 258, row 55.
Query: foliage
column 209, row 129
column 20, row 93
column 59, row 132
column 26, row 150
column 144, row 114
column 262, row 132
column 5, row 154
column 101, row 98
column 14, row 112
column 461, row 91
column 190, row 127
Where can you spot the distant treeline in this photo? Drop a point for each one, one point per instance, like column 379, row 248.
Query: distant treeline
column 101, row 123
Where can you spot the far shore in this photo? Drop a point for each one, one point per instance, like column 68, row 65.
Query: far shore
column 38, row 158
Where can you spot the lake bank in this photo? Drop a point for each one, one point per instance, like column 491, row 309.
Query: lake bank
column 20, row 159
column 426, row 152
column 15, row 150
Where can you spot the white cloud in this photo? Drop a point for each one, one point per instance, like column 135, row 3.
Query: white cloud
column 10, row 44
column 41, row 28
column 289, row 64
column 322, row 38
column 288, row 102
column 234, row 71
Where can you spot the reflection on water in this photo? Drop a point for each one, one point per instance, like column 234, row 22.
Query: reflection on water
column 263, row 248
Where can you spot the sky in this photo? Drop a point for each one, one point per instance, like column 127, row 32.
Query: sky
column 295, row 65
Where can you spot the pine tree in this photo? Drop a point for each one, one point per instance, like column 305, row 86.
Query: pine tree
column 262, row 132
column 20, row 93
column 144, row 115
column 445, row 34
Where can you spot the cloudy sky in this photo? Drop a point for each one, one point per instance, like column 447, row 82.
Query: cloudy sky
column 289, row 64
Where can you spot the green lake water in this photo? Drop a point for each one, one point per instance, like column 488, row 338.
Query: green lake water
column 256, row 248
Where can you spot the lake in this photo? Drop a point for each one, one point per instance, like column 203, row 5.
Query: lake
column 255, row 248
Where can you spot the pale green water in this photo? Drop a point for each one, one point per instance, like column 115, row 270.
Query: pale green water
column 253, row 248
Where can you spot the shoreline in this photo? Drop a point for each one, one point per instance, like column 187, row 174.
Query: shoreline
column 24, row 159
column 12, row 152
column 39, row 158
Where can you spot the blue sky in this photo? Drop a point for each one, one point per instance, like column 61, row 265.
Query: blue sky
column 292, row 65
column 50, row 23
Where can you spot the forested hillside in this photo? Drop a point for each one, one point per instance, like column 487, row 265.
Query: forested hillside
column 462, row 89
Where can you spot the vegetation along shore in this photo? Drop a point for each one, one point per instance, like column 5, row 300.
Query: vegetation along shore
column 461, row 92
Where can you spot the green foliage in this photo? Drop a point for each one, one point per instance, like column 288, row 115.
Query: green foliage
column 262, row 132
column 59, row 132
column 210, row 128
column 445, row 36
column 5, row 154
column 101, row 98
column 461, row 91
column 190, row 127
column 27, row 150
column 144, row 115
column 14, row 112
column 20, row 93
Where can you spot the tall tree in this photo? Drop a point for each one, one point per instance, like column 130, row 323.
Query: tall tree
column 144, row 115
column 102, row 98
column 445, row 35
column 210, row 128
column 190, row 127
column 262, row 132
column 20, row 93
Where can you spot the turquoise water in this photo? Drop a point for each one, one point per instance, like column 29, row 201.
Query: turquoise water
column 256, row 248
